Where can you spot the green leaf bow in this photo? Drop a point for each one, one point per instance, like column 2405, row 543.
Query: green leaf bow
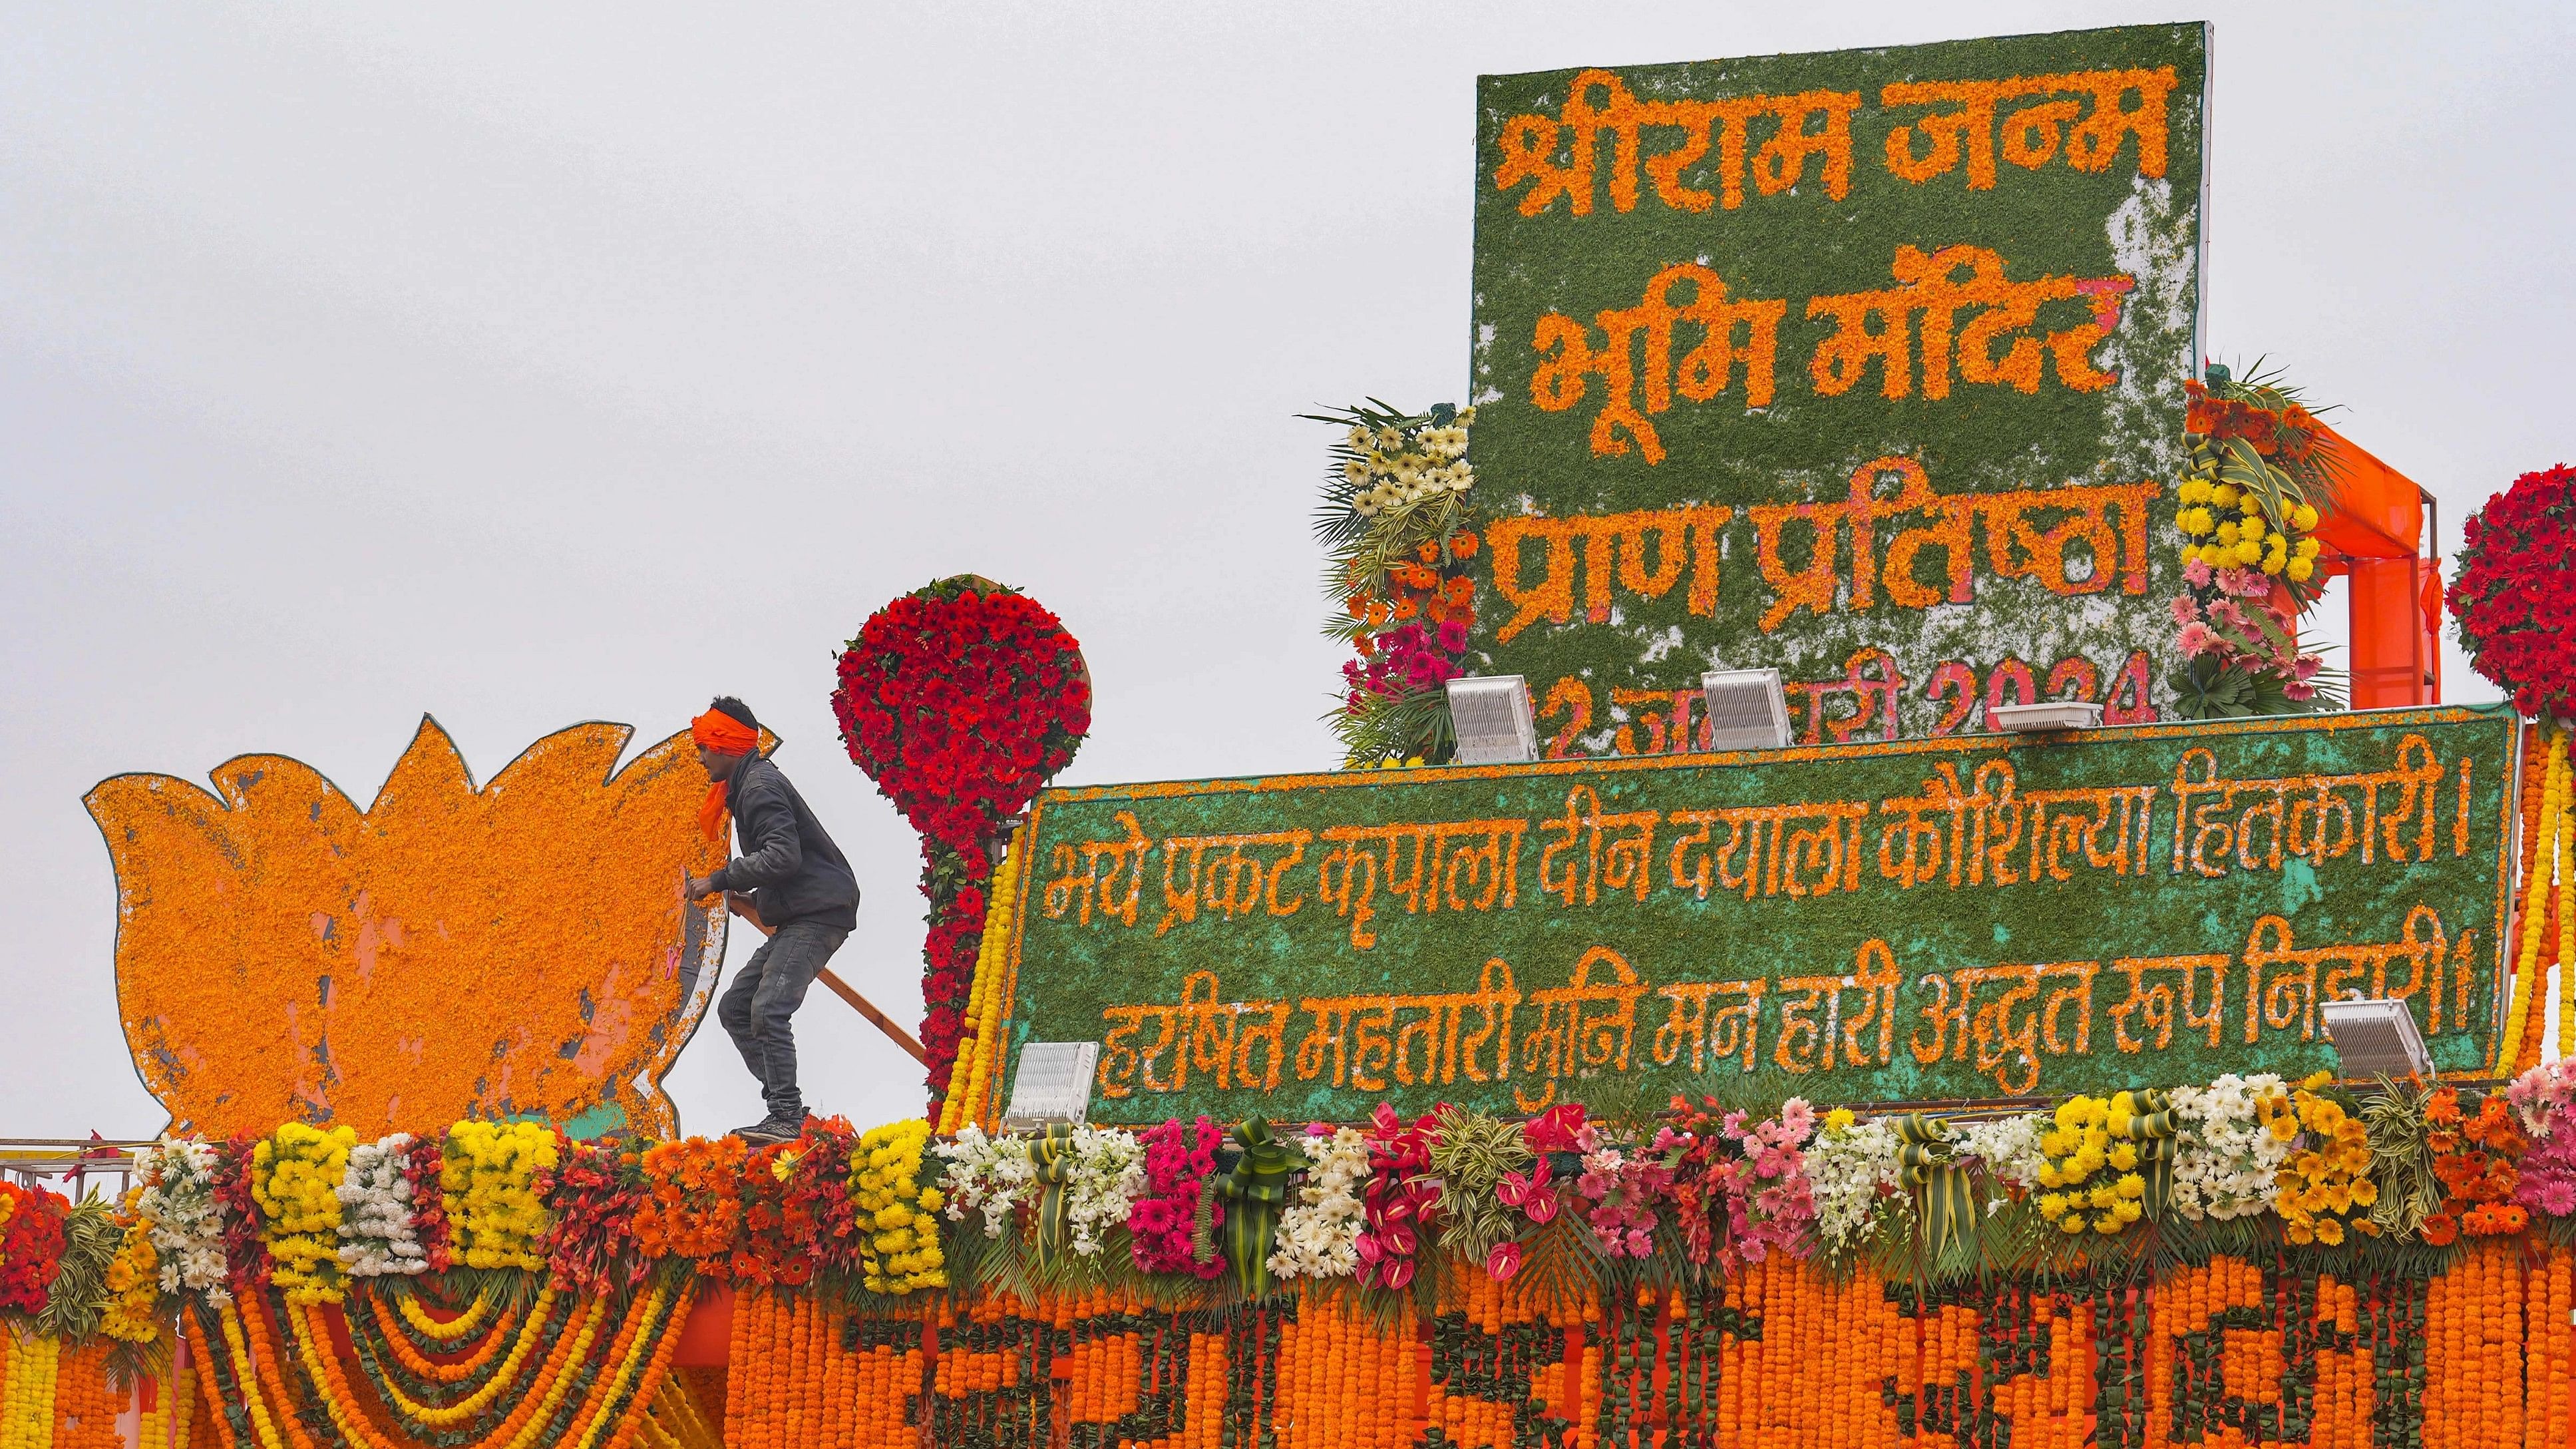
column 1943, row 1197
column 2152, row 1127
column 1052, row 1154
column 1254, row 1192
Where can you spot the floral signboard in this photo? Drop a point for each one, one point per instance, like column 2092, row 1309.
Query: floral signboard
column 1867, row 365
column 1927, row 920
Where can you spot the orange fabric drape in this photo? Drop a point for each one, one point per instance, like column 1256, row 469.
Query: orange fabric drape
column 2374, row 534
column 2378, row 512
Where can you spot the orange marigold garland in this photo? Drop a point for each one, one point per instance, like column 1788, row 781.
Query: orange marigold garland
column 374, row 1328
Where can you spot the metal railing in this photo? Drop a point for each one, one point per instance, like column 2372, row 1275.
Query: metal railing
column 74, row 1160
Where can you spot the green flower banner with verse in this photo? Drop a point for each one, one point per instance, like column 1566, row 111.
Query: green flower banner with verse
column 1866, row 365
column 1981, row 917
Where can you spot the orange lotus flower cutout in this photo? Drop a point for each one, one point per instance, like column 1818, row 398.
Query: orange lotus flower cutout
column 521, row 950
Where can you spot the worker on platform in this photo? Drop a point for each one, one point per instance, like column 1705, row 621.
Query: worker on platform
column 790, row 881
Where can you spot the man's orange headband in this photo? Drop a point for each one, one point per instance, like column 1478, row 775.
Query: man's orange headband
column 718, row 731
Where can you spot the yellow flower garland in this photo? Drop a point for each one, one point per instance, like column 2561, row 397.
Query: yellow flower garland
column 901, row 1217
column 503, row 1377
column 2557, row 815
column 295, row 1176
column 245, row 1378
column 178, row 1400
column 639, row 1351
column 454, row 1328
column 27, row 1414
column 488, row 1179
column 971, row 1073
column 2091, row 1176
column 582, row 1340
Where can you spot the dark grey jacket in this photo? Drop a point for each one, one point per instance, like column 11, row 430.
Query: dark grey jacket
column 791, row 870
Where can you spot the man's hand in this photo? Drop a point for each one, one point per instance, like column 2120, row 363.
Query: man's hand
column 740, row 905
column 697, row 887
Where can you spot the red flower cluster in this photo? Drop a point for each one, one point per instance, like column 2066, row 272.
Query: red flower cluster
column 594, row 1191
column 2289, row 434
column 960, row 700
column 797, row 1217
column 2517, row 588
column 1402, row 1196
column 422, row 1164
column 819, row 1186
column 2474, row 1156
column 1413, row 641
column 245, row 1251
column 31, row 1247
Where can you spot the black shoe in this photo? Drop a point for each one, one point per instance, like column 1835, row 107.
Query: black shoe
column 763, row 1132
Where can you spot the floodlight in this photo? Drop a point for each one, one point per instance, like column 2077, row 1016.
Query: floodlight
column 1745, row 709
column 1053, row 1084
column 2040, row 718
column 2376, row 1038
column 1491, row 714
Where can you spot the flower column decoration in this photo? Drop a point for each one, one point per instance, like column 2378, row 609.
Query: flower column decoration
column 1394, row 524
column 960, row 700
column 2515, row 588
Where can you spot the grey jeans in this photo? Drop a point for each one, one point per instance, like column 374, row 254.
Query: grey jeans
column 759, row 1009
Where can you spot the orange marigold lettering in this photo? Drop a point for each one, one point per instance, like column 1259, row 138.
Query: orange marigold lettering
column 1805, row 127
column 2108, row 522
column 1879, row 329
column 1645, row 553
column 2090, row 136
column 1743, row 334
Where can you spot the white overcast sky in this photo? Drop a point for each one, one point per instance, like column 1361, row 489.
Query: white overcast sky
column 527, row 365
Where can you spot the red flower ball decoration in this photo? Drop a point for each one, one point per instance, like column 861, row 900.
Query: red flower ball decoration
column 960, row 700
column 2516, row 590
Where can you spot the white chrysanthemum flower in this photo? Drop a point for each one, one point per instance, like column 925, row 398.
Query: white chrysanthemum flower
column 990, row 1174
column 1319, row 1231
column 377, row 1236
column 178, row 1180
column 2224, row 1157
column 2009, row 1146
